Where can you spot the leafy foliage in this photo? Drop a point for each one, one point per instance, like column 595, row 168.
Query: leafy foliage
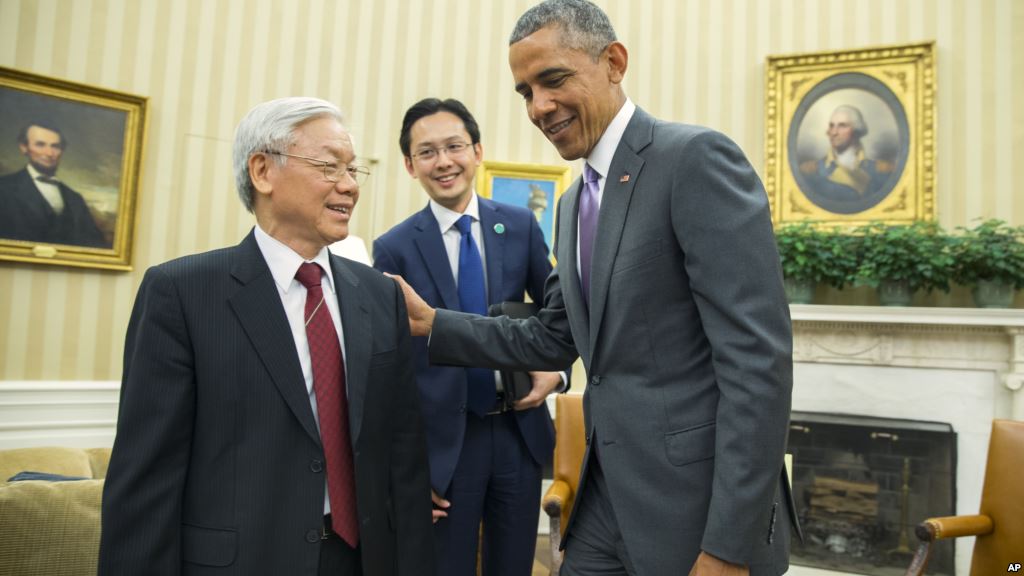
column 809, row 252
column 919, row 254
column 992, row 250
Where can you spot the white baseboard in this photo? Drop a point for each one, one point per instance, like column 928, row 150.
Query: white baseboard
column 47, row 413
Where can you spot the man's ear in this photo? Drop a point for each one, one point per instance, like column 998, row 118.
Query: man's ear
column 259, row 169
column 408, row 167
column 618, row 61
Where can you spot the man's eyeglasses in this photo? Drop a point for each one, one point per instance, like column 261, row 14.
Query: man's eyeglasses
column 332, row 172
column 453, row 149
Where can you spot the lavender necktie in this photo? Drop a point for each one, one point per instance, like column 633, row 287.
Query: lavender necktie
column 589, row 207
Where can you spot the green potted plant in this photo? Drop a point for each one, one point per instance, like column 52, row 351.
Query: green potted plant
column 990, row 260
column 810, row 255
column 899, row 260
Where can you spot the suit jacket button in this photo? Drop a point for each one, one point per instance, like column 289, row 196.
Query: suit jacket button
column 462, row 409
column 595, row 380
column 366, row 521
column 312, row 536
column 316, row 466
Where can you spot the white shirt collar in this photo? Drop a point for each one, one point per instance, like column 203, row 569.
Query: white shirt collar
column 600, row 158
column 446, row 218
column 284, row 262
column 36, row 173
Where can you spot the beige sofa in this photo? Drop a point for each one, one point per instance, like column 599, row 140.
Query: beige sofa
column 51, row 528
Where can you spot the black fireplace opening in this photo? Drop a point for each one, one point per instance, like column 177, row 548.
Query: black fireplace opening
column 861, row 485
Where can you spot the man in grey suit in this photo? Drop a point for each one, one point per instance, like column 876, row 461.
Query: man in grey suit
column 674, row 301
column 269, row 421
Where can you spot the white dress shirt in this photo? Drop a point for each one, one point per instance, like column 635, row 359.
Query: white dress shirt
column 284, row 263
column 452, row 237
column 600, row 158
column 49, row 190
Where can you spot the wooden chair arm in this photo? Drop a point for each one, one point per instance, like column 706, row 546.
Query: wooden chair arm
column 555, row 498
column 943, row 527
column 954, row 527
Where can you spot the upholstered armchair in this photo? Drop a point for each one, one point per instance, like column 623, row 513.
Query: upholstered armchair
column 570, row 445
column 47, row 526
column 999, row 524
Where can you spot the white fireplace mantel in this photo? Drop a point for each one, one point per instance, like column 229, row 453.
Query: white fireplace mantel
column 941, row 338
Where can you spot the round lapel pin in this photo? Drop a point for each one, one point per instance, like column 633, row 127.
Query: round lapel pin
column 499, row 228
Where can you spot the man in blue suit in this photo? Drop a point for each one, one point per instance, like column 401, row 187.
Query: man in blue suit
column 668, row 288
column 485, row 460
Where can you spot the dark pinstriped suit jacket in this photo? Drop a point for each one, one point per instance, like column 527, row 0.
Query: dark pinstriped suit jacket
column 217, row 465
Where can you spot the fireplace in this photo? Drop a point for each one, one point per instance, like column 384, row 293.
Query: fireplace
column 861, row 484
column 961, row 367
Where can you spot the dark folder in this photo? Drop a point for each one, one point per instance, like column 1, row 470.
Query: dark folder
column 515, row 383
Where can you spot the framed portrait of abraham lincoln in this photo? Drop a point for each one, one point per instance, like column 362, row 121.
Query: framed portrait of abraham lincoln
column 70, row 156
column 850, row 135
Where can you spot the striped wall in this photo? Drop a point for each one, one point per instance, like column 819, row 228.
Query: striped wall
column 203, row 63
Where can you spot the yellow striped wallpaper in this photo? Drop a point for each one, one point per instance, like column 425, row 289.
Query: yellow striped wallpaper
column 204, row 63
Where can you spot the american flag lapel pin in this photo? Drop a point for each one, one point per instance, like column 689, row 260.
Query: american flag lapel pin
column 625, row 178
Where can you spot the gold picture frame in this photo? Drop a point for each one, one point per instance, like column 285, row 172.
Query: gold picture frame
column 533, row 186
column 850, row 135
column 70, row 161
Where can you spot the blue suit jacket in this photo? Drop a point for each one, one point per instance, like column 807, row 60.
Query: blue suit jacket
column 517, row 262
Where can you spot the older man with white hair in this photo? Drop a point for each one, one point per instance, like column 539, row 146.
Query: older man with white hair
column 269, row 421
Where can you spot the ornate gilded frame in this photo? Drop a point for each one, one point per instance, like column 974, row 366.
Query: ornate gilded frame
column 103, row 132
column 533, row 186
column 893, row 178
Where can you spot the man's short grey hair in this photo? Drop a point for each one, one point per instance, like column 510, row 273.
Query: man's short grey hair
column 270, row 127
column 584, row 26
column 860, row 128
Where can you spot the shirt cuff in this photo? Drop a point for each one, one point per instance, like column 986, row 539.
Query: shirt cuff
column 564, row 386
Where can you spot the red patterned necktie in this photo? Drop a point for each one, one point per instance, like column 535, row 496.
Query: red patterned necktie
column 332, row 405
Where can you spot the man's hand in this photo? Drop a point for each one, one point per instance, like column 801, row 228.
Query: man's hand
column 544, row 383
column 708, row 565
column 421, row 315
column 438, row 511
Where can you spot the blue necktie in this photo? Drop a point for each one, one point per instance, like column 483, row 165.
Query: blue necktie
column 480, row 394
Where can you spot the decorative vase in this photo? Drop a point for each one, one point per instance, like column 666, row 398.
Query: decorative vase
column 799, row 290
column 993, row 294
column 894, row 293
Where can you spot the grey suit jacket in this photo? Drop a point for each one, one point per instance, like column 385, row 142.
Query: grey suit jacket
column 687, row 348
